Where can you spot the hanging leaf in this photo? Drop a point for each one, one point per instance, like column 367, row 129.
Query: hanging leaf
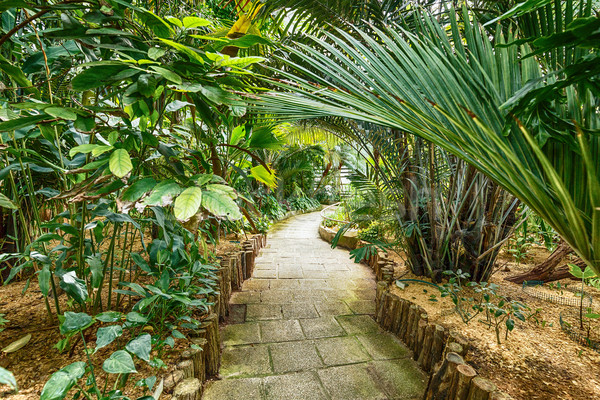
column 96, row 269
column 17, row 344
column 7, row 203
column 62, row 381
column 120, row 163
column 119, row 362
column 141, row 346
column 187, row 203
column 221, row 205
column 74, row 287
column 44, row 279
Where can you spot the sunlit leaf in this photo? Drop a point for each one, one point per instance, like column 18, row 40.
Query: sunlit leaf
column 187, row 203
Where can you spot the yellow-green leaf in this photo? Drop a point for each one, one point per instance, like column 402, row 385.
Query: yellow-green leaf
column 187, row 203
column 120, row 163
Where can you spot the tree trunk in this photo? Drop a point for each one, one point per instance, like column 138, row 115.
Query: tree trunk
column 549, row 270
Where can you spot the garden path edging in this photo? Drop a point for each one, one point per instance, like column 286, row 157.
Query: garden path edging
column 198, row 365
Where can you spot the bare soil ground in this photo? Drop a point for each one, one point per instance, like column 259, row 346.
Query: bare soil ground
column 38, row 360
column 538, row 360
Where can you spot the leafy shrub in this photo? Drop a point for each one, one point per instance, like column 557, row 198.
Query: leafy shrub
column 373, row 232
column 303, row 203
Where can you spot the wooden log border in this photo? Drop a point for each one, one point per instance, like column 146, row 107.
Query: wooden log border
column 438, row 352
column 202, row 362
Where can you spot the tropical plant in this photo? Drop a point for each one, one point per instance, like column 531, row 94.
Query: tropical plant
column 455, row 87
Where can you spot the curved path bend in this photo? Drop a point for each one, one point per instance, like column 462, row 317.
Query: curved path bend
column 305, row 329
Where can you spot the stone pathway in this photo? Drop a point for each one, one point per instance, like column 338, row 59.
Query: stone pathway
column 308, row 331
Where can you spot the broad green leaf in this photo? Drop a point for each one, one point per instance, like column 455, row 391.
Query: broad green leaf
column 62, row 113
column 74, row 286
column 120, row 163
column 44, row 279
column 138, row 189
column 96, row 76
column 155, row 53
column 96, row 270
column 220, row 204
column 109, row 316
column 163, row 193
column 7, row 378
column 101, row 150
column 136, row 318
column 85, row 124
column 7, row 203
column 588, row 273
column 62, row 381
column 22, row 122
column 191, row 53
column 194, row 22
column 82, row 148
column 106, row 335
column 17, row 344
column 176, row 105
column 240, row 61
column 167, row 74
column 575, row 271
column 187, row 203
column 261, row 174
column 237, row 134
column 119, row 362
column 174, row 21
column 75, row 322
column 141, row 346
column 228, row 190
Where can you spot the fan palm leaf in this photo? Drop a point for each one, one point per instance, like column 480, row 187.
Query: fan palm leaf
column 448, row 87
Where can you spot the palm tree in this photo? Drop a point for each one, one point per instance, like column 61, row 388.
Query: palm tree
column 454, row 86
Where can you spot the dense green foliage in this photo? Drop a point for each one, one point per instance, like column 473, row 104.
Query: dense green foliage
column 136, row 135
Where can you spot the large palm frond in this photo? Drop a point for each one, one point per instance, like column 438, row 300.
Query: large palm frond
column 449, row 88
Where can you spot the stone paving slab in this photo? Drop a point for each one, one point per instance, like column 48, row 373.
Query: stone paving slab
column 299, row 386
column 341, row 350
column 295, row 356
column 247, row 333
column 351, row 382
column 303, row 328
column 321, row 327
column 244, row 361
column 281, row 331
column 234, row 389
